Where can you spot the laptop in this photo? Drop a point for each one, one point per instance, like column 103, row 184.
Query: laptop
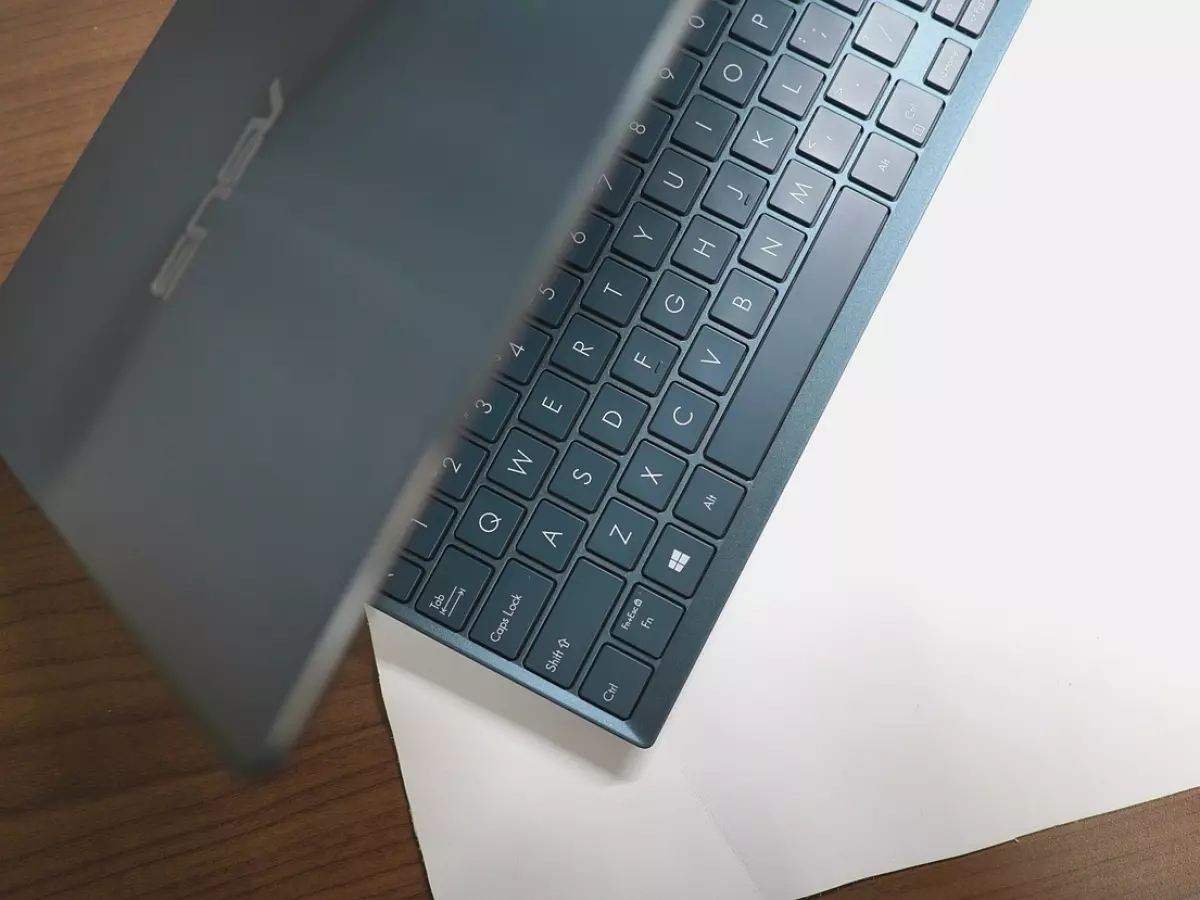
column 512, row 320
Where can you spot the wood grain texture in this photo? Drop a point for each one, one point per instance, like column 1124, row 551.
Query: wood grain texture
column 106, row 790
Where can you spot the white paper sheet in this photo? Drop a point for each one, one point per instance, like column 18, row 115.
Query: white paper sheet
column 973, row 614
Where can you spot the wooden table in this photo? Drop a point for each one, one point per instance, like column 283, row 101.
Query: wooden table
column 107, row 791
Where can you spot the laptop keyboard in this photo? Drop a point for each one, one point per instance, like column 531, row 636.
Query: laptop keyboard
column 609, row 484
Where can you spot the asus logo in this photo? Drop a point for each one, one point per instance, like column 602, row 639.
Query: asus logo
column 235, row 166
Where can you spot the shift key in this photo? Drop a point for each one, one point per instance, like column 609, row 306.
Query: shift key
column 578, row 614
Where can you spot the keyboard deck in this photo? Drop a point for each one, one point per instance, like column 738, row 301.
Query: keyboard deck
column 609, row 487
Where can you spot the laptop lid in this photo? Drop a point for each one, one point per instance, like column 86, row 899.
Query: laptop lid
column 233, row 351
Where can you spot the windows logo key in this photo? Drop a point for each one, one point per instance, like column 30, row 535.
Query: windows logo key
column 678, row 561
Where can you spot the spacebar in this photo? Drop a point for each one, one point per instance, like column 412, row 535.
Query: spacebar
column 769, row 387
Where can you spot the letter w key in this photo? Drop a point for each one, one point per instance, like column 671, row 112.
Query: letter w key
column 521, row 464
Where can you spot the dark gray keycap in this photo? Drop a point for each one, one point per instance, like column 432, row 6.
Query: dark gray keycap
column 743, row 303
column 917, row 4
column 911, row 113
column 854, row 7
column 704, row 27
column 646, row 133
column 734, row 194
column 764, row 140
column 709, row 502
column 857, row 86
column 511, row 609
column 616, row 186
column 459, row 469
column 801, row 193
column 614, row 419
column 489, row 522
column 583, row 477
column 820, row 34
column 554, row 297
column 584, row 348
column 975, row 17
column 453, row 589
column 486, row 415
column 883, row 166
column 616, row 682
column 553, row 405
column 704, row 127
column 427, row 530
column 948, row 11
column 551, row 536
column 763, row 23
column 621, row 534
column 675, row 304
column 705, row 248
column 675, row 80
column 772, row 247
column 792, row 86
column 646, row 236
column 947, row 66
column 733, row 74
column 585, row 241
column 829, row 139
column 652, row 476
column 781, row 363
column 678, row 561
column 885, row 34
column 574, row 622
column 682, row 417
column 675, row 182
column 712, row 360
column 645, row 361
column 616, row 292
column 521, row 464
column 519, row 357
column 402, row 580
column 647, row 621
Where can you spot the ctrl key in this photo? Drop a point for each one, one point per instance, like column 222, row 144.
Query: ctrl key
column 615, row 682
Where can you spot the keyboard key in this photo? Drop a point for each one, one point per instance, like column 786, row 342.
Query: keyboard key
column 801, row 193
column 743, row 303
column 911, row 113
column 486, row 416
column 713, row 360
column 584, row 348
column 948, row 11
column 645, row 361
column 682, row 417
column 646, row 236
column 678, row 561
column 792, row 87
column 820, row 34
column 857, row 86
column 615, row 188
column 885, row 34
column 734, row 74
column 428, row 528
column 460, row 468
column 975, row 19
column 614, row 419
column 489, row 522
column 947, row 66
column 646, row 133
column 772, row 247
column 705, row 27
column 704, row 127
column 883, row 166
column 519, row 358
column 402, row 580
column 829, row 139
column 621, row 534
column 781, row 363
column 705, row 248
column 553, row 405
column 585, row 242
column 554, row 297
column 521, row 464
column 762, row 24
column 615, row 682
column 453, row 588
column 511, row 609
column 675, row 182
column 615, row 292
column 675, row 304
column 734, row 194
column 574, row 622
column 764, row 140
column 551, row 536
column 647, row 621
column 710, row 502
column 675, row 80
column 652, row 476
column 583, row 477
